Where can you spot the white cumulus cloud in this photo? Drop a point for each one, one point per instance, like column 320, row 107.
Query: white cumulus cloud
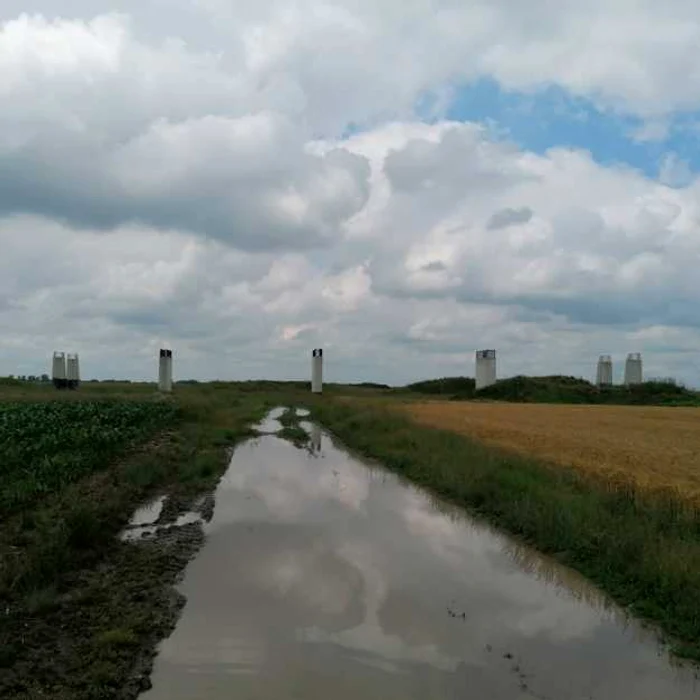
column 246, row 181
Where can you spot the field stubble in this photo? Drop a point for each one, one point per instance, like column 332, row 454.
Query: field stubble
column 651, row 448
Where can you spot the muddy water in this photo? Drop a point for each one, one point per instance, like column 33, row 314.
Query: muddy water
column 142, row 521
column 324, row 578
column 148, row 513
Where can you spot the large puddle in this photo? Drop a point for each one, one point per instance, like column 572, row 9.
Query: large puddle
column 322, row 577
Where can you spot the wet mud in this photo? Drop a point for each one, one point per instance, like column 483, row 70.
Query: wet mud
column 92, row 634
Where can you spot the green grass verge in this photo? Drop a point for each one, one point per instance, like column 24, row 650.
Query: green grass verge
column 643, row 550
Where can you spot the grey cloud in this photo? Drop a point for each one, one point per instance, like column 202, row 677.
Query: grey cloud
column 67, row 187
column 162, row 137
column 434, row 266
column 225, row 195
column 618, row 311
column 621, row 311
column 509, row 217
column 594, row 311
column 464, row 345
column 155, row 320
column 461, row 163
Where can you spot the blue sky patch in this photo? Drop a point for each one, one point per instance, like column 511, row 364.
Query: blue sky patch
column 552, row 117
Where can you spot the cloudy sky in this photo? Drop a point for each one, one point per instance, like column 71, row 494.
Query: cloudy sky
column 401, row 182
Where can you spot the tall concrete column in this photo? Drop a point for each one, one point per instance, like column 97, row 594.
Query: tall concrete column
column 604, row 374
column 317, row 371
column 72, row 371
column 165, row 371
column 633, row 369
column 485, row 368
column 58, row 370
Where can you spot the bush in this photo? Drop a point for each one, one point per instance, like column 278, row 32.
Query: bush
column 562, row 389
column 463, row 387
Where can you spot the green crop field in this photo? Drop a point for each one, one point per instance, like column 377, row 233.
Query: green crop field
column 45, row 446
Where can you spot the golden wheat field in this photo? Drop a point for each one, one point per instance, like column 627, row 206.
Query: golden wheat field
column 650, row 446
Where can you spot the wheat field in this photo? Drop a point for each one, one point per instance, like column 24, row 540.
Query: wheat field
column 650, row 447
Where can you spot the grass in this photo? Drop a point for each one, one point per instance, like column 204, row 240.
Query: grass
column 81, row 610
column 642, row 548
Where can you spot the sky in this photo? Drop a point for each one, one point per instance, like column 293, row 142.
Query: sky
column 399, row 182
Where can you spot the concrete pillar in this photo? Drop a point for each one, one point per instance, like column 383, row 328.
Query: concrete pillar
column 633, row 369
column 485, row 368
column 58, row 370
column 317, row 371
column 604, row 373
column 165, row 371
column 72, row 371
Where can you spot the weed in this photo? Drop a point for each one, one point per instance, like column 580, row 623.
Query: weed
column 118, row 637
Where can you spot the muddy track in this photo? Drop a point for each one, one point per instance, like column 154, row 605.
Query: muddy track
column 91, row 632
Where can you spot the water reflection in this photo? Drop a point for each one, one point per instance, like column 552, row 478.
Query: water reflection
column 270, row 424
column 316, row 441
column 148, row 513
column 321, row 577
column 142, row 522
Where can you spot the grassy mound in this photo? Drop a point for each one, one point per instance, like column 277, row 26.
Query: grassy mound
column 560, row 389
column 451, row 386
column 552, row 389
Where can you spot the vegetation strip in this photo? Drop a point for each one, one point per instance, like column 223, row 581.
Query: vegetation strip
column 643, row 549
column 560, row 389
column 82, row 611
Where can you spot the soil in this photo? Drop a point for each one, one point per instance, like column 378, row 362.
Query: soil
column 97, row 639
